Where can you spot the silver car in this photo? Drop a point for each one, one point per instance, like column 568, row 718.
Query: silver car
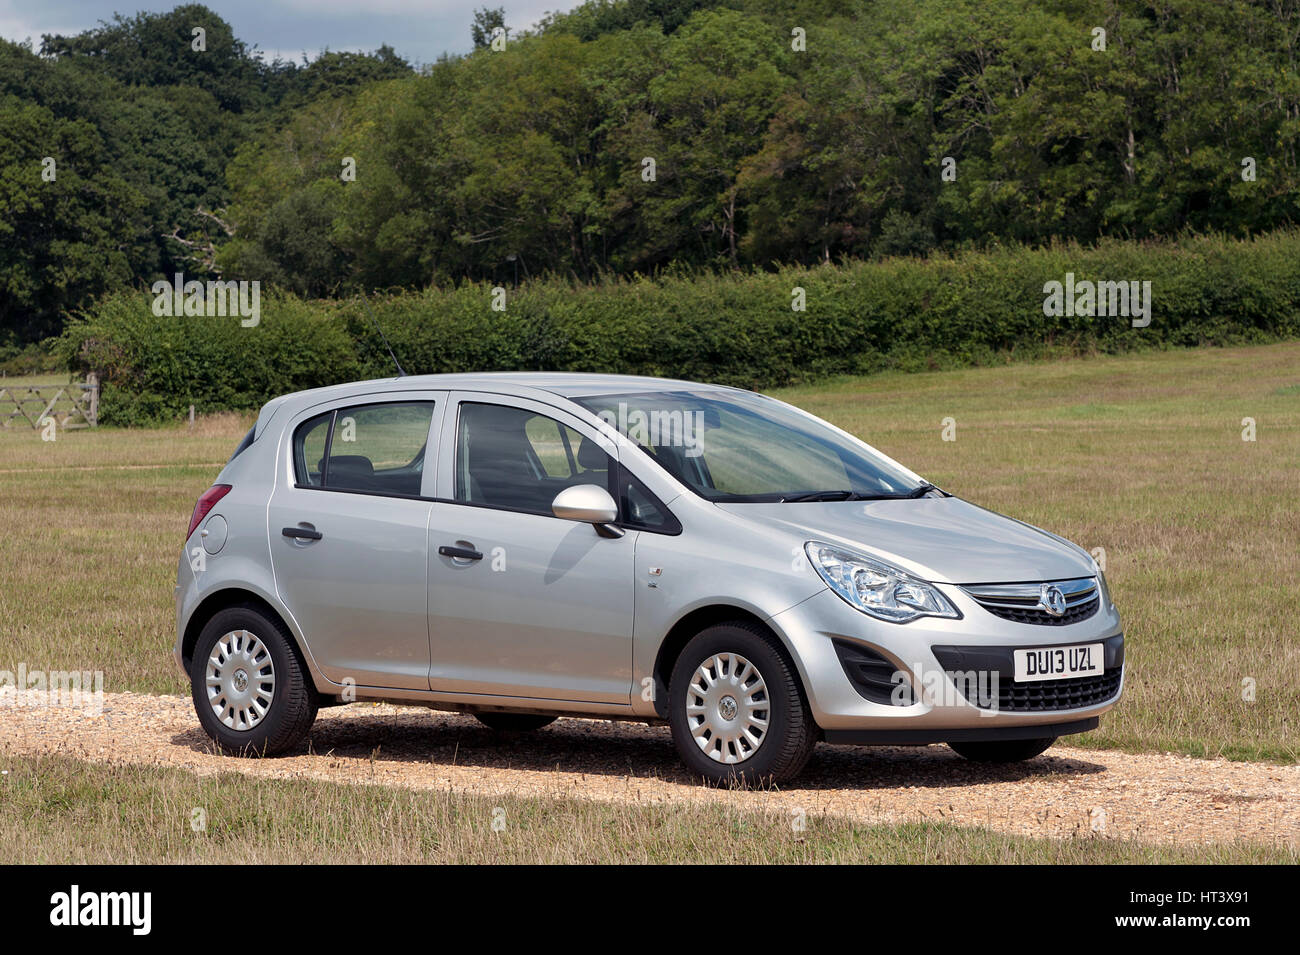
column 523, row 547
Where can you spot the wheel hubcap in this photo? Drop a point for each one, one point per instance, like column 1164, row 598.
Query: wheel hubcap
column 727, row 708
column 240, row 680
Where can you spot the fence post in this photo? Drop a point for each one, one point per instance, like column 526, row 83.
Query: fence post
column 92, row 382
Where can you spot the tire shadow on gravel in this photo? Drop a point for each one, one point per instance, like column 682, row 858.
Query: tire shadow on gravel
column 603, row 748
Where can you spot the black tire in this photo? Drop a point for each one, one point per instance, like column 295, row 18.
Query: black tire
column 292, row 709
column 514, row 722
column 784, row 749
column 1002, row 751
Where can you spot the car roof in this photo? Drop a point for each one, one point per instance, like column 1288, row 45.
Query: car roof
column 564, row 384
column 520, row 383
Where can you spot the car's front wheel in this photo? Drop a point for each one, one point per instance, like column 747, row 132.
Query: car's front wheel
column 1003, row 751
column 737, row 710
column 248, row 685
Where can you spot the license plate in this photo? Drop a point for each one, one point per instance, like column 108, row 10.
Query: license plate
column 1059, row 663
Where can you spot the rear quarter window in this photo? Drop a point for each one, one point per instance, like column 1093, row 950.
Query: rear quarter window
column 243, row 444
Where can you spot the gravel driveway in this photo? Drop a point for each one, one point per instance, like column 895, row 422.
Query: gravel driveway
column 1066, row 792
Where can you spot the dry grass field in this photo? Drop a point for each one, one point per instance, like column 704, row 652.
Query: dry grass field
column 60, row 810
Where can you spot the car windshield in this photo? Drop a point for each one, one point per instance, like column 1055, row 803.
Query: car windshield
column 744, row 447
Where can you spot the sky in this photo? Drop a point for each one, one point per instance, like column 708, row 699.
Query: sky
column 419, row 30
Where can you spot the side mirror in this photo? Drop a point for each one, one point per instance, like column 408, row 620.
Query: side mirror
column 587, row 503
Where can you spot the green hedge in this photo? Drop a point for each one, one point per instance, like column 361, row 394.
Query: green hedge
column 974, row 308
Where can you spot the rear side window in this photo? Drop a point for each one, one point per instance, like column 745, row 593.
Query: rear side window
column 374, row 449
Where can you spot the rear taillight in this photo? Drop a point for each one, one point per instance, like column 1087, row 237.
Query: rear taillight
column 207, row 501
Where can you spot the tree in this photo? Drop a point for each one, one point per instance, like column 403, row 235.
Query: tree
column 713, row 102
column 63, row 240
column 486, row 22
column 158, row 50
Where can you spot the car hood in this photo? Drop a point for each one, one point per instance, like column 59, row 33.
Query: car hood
column 943, row 539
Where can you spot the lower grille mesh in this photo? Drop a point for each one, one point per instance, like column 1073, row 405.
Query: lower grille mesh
column 1038, row 696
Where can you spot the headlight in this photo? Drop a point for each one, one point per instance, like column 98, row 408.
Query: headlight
column 1105, row 588
column 876, row 588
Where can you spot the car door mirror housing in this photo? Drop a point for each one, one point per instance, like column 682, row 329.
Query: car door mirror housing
column 587, row 503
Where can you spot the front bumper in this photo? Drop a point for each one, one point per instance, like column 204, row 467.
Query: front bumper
column 905, row 737
column 926, row 652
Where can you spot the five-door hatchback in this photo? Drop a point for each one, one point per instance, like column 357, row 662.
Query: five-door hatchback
column 528, row 546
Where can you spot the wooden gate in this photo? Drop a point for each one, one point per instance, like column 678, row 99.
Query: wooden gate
column 74, row 405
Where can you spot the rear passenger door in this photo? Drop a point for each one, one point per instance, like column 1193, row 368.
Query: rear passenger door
column 545, row 609
column 348, row 525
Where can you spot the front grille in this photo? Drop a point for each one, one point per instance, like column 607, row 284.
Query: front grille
column 1024, row 615
column 1040, row 695
column 1024, row 603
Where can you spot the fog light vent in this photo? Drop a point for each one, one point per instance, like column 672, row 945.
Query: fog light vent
column 874, row 677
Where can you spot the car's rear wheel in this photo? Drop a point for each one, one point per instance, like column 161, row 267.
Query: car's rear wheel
column 1003, row 751
column 249, row 687
column 737, row 710
column 514, row 722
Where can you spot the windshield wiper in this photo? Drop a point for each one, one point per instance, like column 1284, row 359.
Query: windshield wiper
column 821, row 496
column 840, row 496
column 922, row 491
column 916, row 492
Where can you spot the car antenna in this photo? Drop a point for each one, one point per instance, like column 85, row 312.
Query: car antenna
column 374, row 321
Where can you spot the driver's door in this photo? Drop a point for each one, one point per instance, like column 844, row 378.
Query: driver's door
column 545, row 610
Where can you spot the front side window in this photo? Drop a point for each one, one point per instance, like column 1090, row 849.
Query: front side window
column 744, row 447
column 520, row 460
column 374, row 449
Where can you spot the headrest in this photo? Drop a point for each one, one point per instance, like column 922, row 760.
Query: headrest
column 592, row 456
column 352, row 465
